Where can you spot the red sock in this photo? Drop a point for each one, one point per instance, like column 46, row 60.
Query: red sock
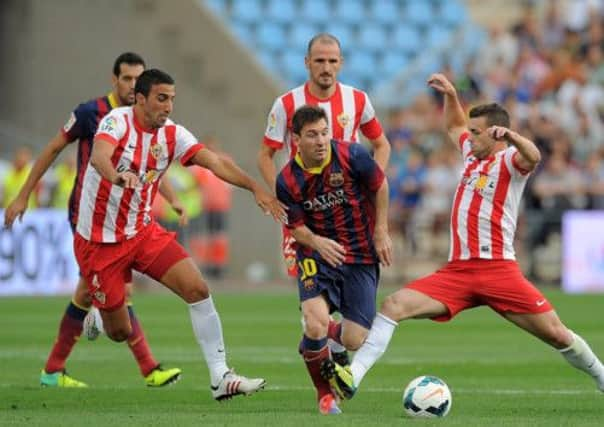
column 313, row 360
column 140, row 347
column 70, row 330
column 334, row 331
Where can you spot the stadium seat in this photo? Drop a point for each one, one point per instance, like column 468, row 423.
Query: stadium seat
column 281, row 11
column 249, row 11
column 271, row 36
column 372, row 37
column 292, row 65
column 269, row 60
column 392, row 63
column 362, row 64
column 419, row 13
column 350, row 12
column 438, row 36
column 315, row 11
column 452, row 13
column 385, row 12
column 344, row 34
column 300, row 35
column 407, row 39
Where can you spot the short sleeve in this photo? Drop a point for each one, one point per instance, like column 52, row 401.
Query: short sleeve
column 510, row 157
column 276, row 127
column 365, row 168
column 369, row 124
column 464, row 144
column 112, row 128
column 295, row 213
column 76, row 125
column 186, row 145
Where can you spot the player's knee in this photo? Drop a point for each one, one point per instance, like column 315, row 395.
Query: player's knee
column 353, row 342
column 315, row 327
column 196, row 292
column 119, row 334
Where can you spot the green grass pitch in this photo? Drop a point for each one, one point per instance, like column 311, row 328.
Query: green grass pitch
column 499, row 376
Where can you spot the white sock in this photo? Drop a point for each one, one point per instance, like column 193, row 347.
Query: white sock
column 581, row 356
column 208, row 331
column 374, row 346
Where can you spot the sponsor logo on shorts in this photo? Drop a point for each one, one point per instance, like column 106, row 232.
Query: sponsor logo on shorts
column 540, row 302
column 309, row 284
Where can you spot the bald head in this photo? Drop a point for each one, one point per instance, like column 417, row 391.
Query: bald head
column 323, row 38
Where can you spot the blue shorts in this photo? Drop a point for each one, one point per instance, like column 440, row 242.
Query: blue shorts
column 350, row 288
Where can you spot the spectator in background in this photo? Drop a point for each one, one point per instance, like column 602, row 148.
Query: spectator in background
column 217, row 201
column 410, row 184
column 64, row 176
column 594, row 177
column 16, row 176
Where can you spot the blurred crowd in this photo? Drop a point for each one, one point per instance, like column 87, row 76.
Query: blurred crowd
column 548, row 70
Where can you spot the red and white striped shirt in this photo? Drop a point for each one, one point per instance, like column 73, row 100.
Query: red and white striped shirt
column 486, row 203
column 348, row 110
column 110, row 213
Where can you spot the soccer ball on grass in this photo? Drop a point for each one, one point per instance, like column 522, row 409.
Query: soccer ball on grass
column 428, row 397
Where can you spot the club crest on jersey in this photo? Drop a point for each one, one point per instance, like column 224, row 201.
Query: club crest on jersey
column 156, row 151
column 336, row 179
column 272, row 123
column 100, row 297
column 343, row 119
column 70, row 122
column 108, row 125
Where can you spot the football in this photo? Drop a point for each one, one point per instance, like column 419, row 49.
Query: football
column 428, row 397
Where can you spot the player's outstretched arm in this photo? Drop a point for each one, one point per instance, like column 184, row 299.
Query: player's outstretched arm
column 455, row 118
column 100, row 159
column 167, row 192
column 528, row 153
column 381, row 238
column 227, row 170
column 330, row 250
column 18, row 206
column 266, row 165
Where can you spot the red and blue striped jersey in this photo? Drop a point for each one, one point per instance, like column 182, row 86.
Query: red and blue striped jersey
column 81, row 126
column 336, row 201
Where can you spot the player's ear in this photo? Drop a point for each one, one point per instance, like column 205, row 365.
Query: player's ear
column 113, row 80
column 307, row 62
column 296, row 138
column 139, row 98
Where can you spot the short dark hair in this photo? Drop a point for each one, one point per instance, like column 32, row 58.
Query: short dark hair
column 307, row 114
column 151, row 78
column 495, row 113
column 323, row 37
column 129, row 58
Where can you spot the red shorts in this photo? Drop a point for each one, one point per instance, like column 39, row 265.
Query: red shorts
column 289, row 253
column 107, row 267
column 497, row 283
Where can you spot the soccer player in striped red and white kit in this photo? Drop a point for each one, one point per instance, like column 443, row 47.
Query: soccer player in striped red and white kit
column 116, row 233
column 482, row 269
column 348, row 109
column 81, row 127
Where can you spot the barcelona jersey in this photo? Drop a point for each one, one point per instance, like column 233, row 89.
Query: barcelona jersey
column 336, row 201
column 81, row 126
